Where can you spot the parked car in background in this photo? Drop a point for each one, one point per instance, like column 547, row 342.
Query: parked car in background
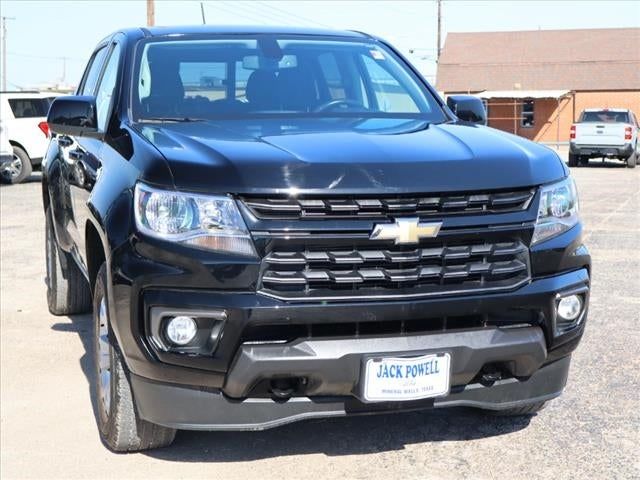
column 325, row 238
column 604, row 133
column 6, row 150
column 24, row 115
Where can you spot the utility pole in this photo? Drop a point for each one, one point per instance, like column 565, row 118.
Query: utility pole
column 151, row 14
column 4, row 51
column 204, row 22
column 439, row 40
column 64, row 70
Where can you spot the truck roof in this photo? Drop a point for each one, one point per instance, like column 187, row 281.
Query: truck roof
column 606, row 110
column 247, row 29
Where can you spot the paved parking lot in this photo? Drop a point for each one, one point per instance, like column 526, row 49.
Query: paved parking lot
column 592, row 431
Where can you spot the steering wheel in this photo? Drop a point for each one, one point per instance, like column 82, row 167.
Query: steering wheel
column 341, row 101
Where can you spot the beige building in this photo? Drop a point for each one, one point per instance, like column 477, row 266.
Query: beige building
column 536, row 83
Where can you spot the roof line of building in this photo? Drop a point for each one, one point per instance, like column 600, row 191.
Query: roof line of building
column 543, row 30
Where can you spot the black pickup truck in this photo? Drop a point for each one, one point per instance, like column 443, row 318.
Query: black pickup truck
column 310, row 231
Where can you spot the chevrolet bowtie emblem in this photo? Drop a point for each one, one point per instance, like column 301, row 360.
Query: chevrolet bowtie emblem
column 405, row 230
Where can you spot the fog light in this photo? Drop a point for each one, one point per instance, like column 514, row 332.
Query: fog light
column 569, row 308
column 181, row 330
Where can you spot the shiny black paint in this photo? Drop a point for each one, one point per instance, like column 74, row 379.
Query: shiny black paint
column 73, row 115
column 89, row 184
column 356, row 159
column 468, row 108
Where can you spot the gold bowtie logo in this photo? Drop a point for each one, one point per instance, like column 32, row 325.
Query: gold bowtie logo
column 405, row 230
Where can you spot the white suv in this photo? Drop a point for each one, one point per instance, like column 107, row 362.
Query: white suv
column 23, row 114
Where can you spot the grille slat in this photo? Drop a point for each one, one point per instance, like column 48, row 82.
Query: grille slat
column 439, row 269
column 284, row 332
column 302, row 208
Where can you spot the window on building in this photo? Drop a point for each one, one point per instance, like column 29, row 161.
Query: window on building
column 527, row 119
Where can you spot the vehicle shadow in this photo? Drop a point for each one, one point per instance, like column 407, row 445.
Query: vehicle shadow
column 83, row 327
column 33, row 178
column 597, row 163
column 333, row 437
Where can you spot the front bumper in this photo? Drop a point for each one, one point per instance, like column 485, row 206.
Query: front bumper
column 197, row 409
column 533, row 366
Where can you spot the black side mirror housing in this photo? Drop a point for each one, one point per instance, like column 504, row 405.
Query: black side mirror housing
column 468, row 108
column 74, row 115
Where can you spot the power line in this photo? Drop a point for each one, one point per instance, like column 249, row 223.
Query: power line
column 260, row 13
column 43, row 57
column 234, row 8
column 299, row 17
column 235, row 13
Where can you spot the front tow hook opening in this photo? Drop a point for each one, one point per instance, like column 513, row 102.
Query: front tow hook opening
column 282, row 389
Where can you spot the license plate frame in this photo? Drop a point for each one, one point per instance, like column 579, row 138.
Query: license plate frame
column 407, row 388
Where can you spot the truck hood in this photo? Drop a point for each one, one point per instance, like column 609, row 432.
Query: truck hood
column 362, row 156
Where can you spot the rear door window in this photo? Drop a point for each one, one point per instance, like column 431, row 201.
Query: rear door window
column 605, row 116
column 29, row 107
column 104, row 95
column 92, row 75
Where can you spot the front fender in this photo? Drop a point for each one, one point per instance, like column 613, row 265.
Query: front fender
column 55, row 196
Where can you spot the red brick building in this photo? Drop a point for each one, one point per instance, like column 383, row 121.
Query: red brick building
column 536, row 83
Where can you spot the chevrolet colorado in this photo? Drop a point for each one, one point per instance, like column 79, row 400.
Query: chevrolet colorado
column 273, row 225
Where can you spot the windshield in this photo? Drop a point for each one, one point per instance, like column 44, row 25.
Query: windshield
column 269, row 76
column 605, row 116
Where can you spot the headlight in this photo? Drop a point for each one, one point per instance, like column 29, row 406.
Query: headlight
column 208, row 222
column 558, row 210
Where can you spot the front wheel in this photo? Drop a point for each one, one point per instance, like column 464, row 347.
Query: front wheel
column 19, row 169
column 120, row 427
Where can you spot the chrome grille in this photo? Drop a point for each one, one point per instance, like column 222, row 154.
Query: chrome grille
column 354, row 207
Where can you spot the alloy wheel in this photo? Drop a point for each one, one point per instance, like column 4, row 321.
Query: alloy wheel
column 13, row 169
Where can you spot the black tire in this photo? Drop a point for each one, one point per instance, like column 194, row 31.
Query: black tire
column 632, row 160
column 121, row 429
column 68, row 291
column 523, row 411
column 573, row 160
column 19, row 170
column 583, row 161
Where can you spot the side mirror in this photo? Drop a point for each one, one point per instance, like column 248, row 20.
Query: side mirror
column 468, row 108
column 73, row 115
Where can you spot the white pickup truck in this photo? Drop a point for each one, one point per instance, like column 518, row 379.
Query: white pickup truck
column 604, row 133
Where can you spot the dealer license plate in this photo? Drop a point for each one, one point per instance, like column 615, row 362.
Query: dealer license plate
column 397, row 379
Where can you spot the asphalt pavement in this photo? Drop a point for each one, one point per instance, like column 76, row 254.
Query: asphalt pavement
column 592, row 431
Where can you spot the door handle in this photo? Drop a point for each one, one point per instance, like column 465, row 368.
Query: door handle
column 64, row 141
column 76, row 155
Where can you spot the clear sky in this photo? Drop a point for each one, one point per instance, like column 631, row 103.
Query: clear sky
column 45, row 31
